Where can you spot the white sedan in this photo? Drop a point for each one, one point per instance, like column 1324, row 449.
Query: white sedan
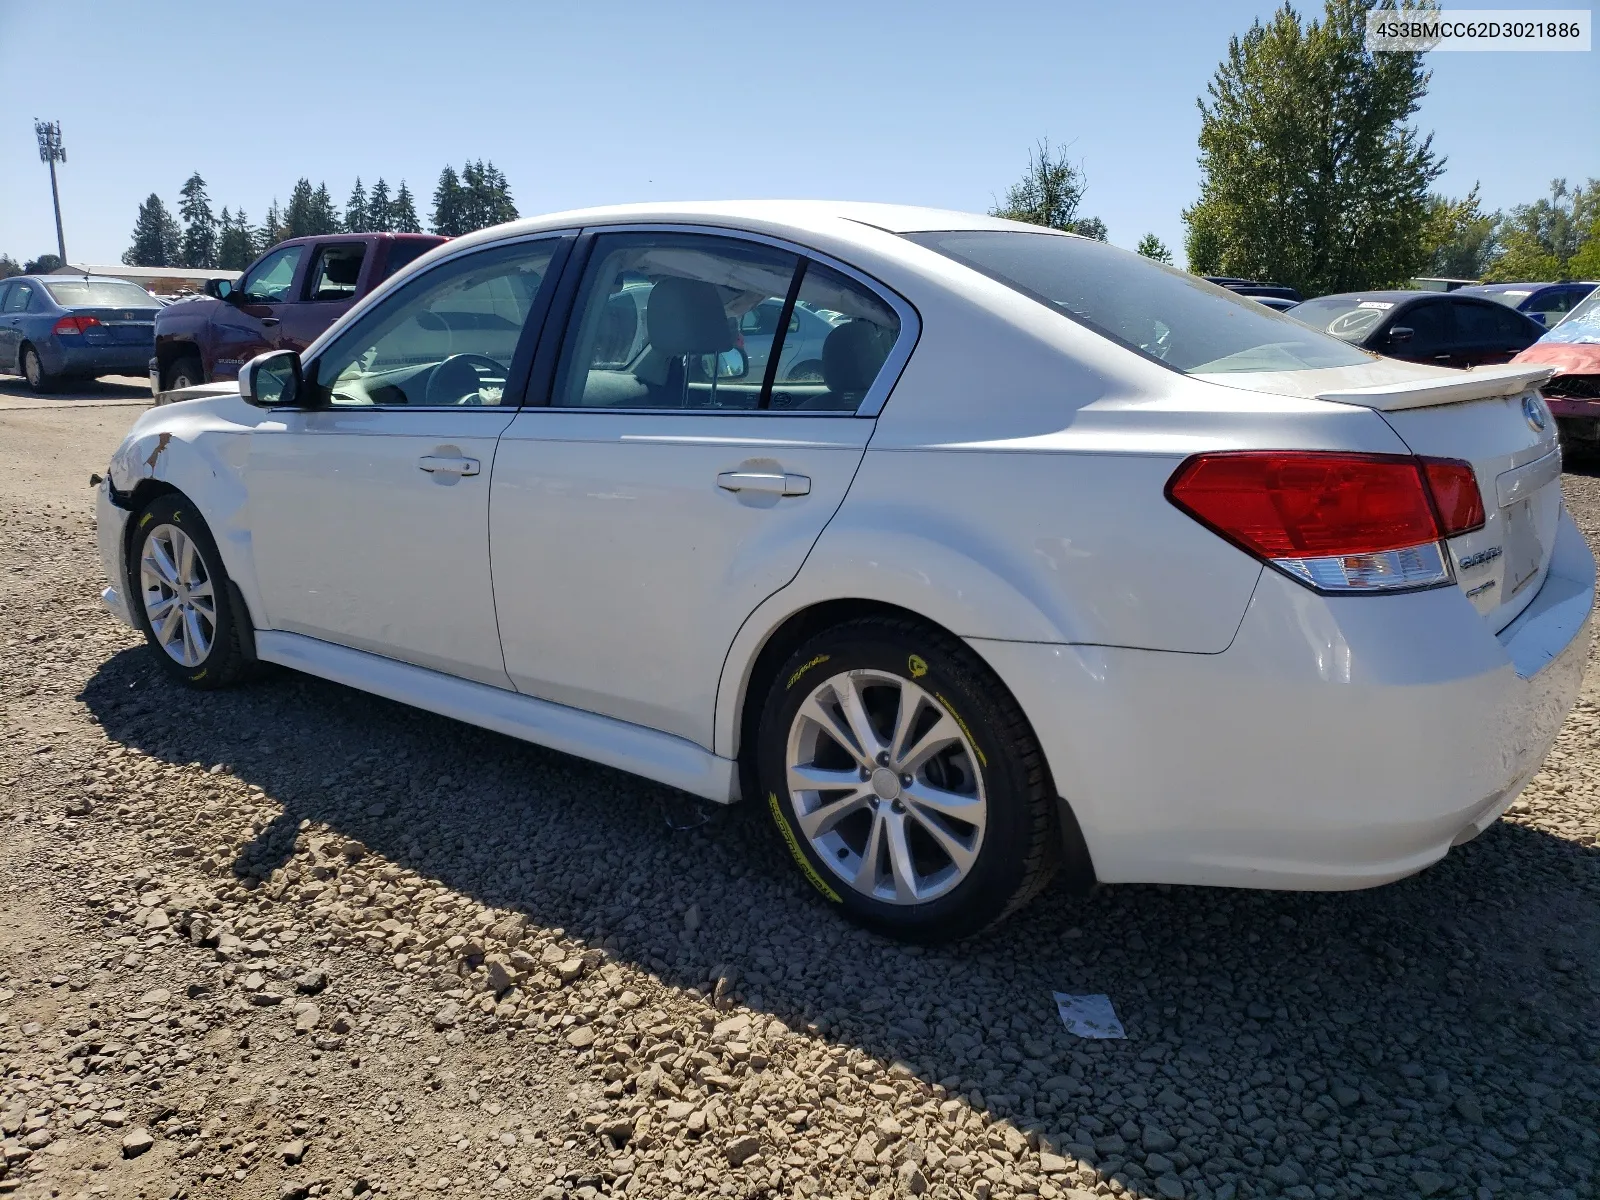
column 1064, row 561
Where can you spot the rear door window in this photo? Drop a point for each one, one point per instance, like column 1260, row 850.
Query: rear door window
column 1478, row 325
column 336, row 271
column 838, row 338
column 17, row 299
column 1429, row 323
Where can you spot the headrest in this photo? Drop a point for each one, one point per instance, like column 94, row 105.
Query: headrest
column 851, row 357
column 342, row 269
column 686, row 317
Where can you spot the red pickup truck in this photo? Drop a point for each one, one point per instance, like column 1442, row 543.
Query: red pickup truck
column 283, row 301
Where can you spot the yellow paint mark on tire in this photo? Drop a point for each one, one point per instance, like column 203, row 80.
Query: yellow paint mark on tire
column 806, row 868
column 917, row 665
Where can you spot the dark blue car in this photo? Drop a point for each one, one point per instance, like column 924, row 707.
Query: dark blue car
column 57, row 327
column 1546, row 303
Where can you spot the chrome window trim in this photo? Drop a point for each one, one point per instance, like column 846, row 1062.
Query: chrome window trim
column 401, row 278
column 888, row 375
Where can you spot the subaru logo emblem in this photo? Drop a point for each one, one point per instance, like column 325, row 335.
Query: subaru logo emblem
column 1533, row 410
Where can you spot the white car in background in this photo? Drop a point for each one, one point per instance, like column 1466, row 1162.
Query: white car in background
column 1068, row 561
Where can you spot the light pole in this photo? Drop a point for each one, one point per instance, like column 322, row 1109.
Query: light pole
column 51, row 151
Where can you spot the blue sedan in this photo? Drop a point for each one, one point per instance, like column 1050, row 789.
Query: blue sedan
column 57, row 327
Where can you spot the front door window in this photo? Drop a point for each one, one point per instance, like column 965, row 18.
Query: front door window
column 269, row 280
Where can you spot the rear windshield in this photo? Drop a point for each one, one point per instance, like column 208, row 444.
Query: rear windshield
column 403, row 254
column 1348, row 318
column 81, row 293
column 1581, row 325
column 1169, row 315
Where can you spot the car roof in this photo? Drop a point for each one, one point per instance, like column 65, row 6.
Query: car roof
column 1489, row 289
column 74, row 278
column 1391, row 295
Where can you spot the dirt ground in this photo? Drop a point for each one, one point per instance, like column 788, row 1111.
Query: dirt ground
column 290, row 940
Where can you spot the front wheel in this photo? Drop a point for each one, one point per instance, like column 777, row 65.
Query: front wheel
column 184, row 373
column 905, row 781
column 182, row 603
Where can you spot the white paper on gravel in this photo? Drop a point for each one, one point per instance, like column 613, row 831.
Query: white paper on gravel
column 1089, row 1016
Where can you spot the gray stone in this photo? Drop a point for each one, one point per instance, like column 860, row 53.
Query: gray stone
column 136, row 1143
column 742, row 1149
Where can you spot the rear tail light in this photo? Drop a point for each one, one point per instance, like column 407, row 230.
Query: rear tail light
column 1339, row 522
column 75, row 324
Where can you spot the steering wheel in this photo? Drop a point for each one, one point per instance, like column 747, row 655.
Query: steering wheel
column 461, row 380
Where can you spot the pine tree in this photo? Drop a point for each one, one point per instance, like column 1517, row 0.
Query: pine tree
column 380, row 209
column 324, row 212
column 355, row 209
column 449, row 205
column 474, row 199
column 157, row 240
column 403, row 212
column 199, row 226
column 501, row 208
column 298, row 217
column 236, row 248
column 272, row 229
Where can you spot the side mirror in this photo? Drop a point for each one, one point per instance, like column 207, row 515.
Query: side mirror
column 1401, row 334
column 272, row 380
column 219, row 289
column 732, row 364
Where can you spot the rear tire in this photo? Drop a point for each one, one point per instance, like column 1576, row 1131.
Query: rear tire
column 880, row 837
column 39, row 380
column 183, row 373
column 181, row 597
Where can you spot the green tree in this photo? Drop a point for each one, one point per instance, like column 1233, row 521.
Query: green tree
column 1585, row 264
column 1048, row 194
column 236, row 245
column 450, row 205
column 9, row 267
column 1539, row 241
column 273, row 229
column 1153, row 247
column 1461, row 238
column 1310, row 172
column 42, row 265
column 297, row 214
column 325, row 216
column 380, row 208
column 199, row 225
column 355, row 209
column 157, row 240
column 403, row 212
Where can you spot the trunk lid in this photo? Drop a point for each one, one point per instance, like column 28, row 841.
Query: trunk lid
column 119, row 326
column 1492, row 417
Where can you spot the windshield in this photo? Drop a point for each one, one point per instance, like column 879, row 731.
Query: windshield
column 90, row 293
column 1171, row 316
column 1348, row 318
column 1581, row 325
column 1511, row 299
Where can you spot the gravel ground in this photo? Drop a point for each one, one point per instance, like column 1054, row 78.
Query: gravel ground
column 291, row 940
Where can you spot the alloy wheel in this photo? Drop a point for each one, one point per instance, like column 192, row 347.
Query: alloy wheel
column 179, row 601
column 885, row 786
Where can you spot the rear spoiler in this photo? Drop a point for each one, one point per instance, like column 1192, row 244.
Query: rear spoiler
column 1480, row 383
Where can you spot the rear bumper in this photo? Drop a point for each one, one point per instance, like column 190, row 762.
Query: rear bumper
column 94, row 360
column 1339, row 742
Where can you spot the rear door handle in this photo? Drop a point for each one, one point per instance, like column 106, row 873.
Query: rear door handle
column 436, row 464
column 768, row 482
column 269, row 322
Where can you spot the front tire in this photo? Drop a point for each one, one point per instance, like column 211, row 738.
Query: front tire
column 905, row 781
column 40, row 380
column 186, row 372
column 181, row 595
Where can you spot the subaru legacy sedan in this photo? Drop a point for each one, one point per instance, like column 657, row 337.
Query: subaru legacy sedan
column 1061, row 562
column 59, row 327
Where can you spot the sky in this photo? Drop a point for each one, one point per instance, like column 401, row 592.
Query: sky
column 935, row 103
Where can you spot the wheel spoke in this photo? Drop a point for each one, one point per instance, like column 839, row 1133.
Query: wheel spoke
column 855, row 712
column 969, row 810
column 203, row 606
column 158, row 610
column 161, row 558
column 199, row 590
column 812, row 710
column 825, row 816
column 957, row 850
column 184, row 550
column 171, row 625
column 808, row 777
column 194, row 636
column 945, row 732
column 905, row 874
column 912, row 698
column 867, row 873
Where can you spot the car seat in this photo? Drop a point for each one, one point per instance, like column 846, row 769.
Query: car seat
column 685, row 317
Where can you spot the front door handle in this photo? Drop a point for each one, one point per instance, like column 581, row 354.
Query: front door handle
column 269, row 322
column 436, row 464
column 768, row 482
